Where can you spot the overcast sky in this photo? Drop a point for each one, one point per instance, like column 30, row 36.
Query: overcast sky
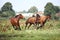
column 20, row 5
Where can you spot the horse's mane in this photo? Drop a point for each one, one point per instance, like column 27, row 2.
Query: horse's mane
column 37, row 15
column 16, row 16
column 33, row 15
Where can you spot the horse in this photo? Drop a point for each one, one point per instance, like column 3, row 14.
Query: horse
column 36, row 20
column 15, row 21
column 30, row 21
column 42, row 20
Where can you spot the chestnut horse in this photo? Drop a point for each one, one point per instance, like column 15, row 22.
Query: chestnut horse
column 42, row 20
column 30, row 21
column 15, row 21
column 37, row 20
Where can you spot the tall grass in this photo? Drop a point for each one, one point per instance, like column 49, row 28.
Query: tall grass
column 50, row 31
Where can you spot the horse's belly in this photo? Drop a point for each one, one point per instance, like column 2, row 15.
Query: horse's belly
column 13, row 22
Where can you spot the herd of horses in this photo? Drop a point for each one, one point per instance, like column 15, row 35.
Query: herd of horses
column 37, row 20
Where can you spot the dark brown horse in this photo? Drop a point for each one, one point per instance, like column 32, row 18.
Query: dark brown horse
column 30, row 21
column 42, row 20
column 15, row 21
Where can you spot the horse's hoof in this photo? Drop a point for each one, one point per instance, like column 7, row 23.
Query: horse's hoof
column 38, row 28
column 35, row 29
column 15, row 28
column 19, row 29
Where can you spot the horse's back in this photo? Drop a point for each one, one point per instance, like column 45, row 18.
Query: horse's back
column 31, row 20
column 43, row 18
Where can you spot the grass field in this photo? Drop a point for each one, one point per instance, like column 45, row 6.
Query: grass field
column 50, row 31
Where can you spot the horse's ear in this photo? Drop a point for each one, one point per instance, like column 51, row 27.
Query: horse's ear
column 20, row 14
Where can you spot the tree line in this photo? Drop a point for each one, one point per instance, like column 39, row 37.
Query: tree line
column 6, row 10
column 49, row 9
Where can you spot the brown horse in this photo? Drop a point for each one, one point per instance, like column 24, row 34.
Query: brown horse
column 15, row 21
column 36, row 20
column 42, row 20
column 30, row 21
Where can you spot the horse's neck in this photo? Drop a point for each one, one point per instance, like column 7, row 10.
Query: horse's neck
column 37, row 18
column 46, row 17
column 18, row 18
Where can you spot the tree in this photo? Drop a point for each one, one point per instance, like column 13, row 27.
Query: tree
column 33, row 10
column 7, row 6
column 23, row 11
column 56, row 9
column 51, row 9
column 7, row 10
column 0, row 13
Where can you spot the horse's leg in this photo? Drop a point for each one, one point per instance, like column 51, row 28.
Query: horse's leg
column 42, row 24
column 19, row 27
column 26, row 25
column 13, row 26
column 29, row 25
column 35, row 25
column 38, row 27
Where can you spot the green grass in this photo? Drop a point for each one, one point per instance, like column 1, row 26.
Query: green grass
column 31, row 35
column 50, row 31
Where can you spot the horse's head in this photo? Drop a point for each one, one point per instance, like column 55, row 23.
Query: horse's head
column 48, row 17
column 21, row 16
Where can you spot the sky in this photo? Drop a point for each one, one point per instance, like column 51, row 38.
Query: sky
column 20, row 5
